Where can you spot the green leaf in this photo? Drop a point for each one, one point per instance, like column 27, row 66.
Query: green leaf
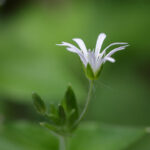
column 51, row 127
column 72, row 119
column 70, row 102
column 89, row 72
column 38, row 103
column 62, row 115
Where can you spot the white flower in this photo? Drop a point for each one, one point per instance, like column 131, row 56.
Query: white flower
column 96, row 57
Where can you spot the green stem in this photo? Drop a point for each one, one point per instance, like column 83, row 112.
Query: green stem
column 62, row 139
column 62, row 143
column 91, row 83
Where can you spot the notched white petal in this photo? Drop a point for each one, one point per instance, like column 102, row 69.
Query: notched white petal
column 112, row 44
column 82, row 58
column 82, row 46
column 74, row 49
column 70, row 47
column 115, row 50
column 99, row 43
column 110, row 59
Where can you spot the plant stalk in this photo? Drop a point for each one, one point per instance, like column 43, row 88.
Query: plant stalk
column 91, row 84
column 62, row 143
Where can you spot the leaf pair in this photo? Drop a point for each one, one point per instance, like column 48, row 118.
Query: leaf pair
column 54, row 116
column 61, row 118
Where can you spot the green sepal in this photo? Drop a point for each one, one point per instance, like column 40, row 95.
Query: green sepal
column 89, row 72
column 62, row 115
column 97, row 74
column 69, row 102
column 39, row 103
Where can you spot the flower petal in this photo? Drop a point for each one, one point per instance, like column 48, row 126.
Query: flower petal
column 110, row 59
column 112, row 44
column 99, row 43
column 74, row 49
column 115, row 50
column 82, row 58
column 82, row 46
column 70, row 47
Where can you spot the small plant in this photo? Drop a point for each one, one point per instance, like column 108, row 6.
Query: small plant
column 63, row 119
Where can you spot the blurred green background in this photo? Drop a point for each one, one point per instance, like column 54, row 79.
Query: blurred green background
column 31, row 61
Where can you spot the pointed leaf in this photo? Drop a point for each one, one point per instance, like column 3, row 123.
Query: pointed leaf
column 38, row 103
column 70, row 101
column 72, row 119
column 61, row 113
